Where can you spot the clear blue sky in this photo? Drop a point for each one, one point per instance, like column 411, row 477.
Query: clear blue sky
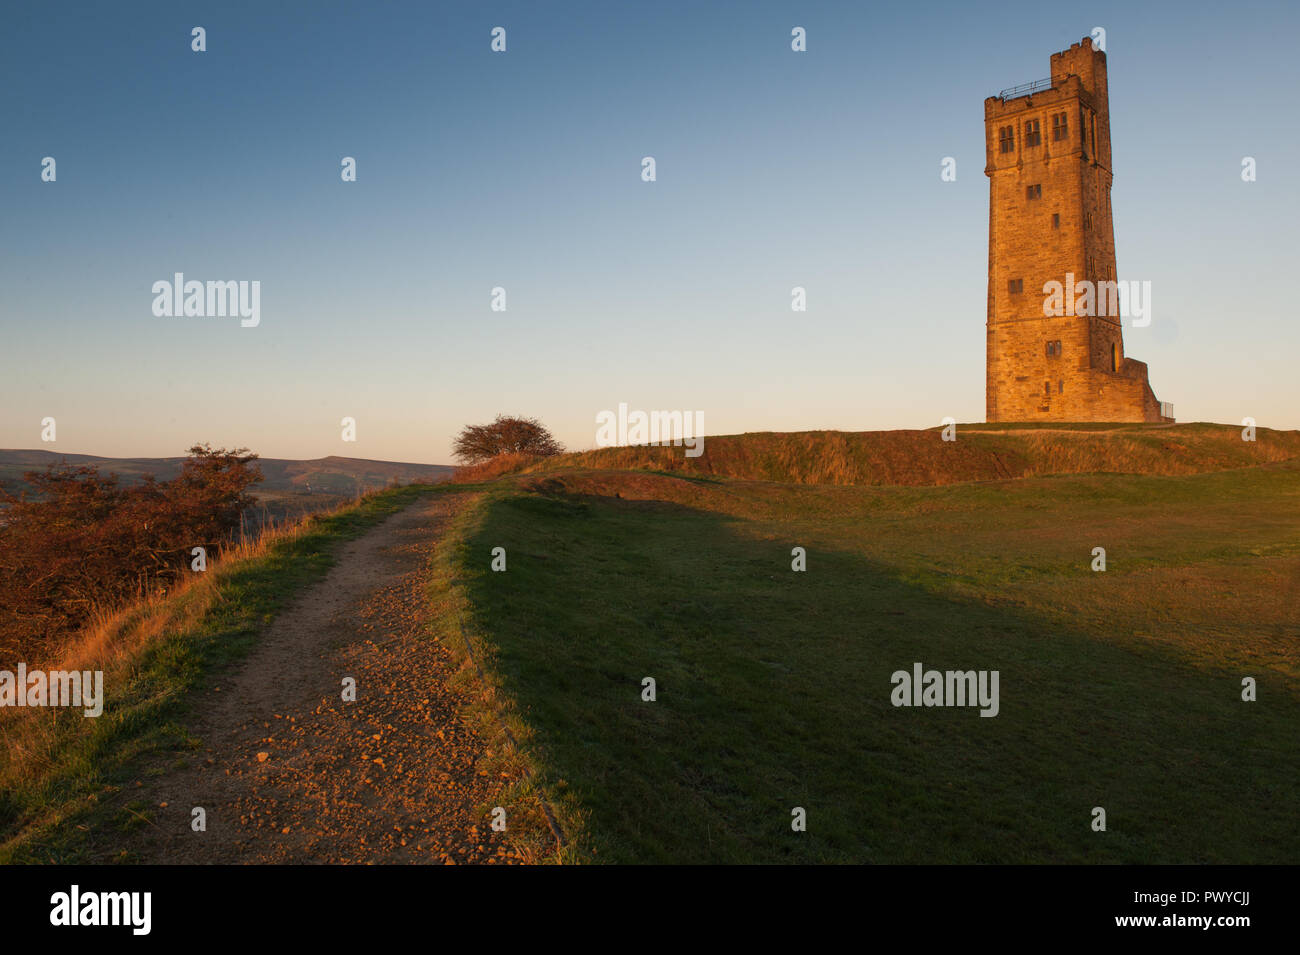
column 522, row 170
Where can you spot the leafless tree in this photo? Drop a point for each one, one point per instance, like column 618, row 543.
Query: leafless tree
column 505, row 435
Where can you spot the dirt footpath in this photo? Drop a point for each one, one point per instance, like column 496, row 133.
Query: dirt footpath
column 289, row 772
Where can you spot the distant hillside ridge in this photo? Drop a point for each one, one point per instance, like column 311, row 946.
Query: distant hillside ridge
column 329, row 475
column 981, row 452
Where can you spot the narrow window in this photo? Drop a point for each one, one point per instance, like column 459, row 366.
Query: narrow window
column 1006, row 139
column 1034, row 192
column 1114, row 357
column 1060, row 390
column 1033, row 133
column 1047, row 389
column 1056, row 220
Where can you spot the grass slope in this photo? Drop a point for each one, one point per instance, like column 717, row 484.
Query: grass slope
column 1119, row 689
column 982, row 452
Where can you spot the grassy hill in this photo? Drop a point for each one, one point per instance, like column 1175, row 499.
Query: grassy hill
column 330, row 474
column 982, row 452
column 1120, row 689
column 289, row 488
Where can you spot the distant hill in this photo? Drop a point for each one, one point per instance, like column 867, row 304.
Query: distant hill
column 982, row 452
column 332, row 476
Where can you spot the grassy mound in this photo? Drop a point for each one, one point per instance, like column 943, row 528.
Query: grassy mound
column 981, row 452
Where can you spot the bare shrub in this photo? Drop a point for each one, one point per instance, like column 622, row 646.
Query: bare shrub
column 505, row 435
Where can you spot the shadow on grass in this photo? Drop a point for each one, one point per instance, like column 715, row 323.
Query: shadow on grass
column 773, row 692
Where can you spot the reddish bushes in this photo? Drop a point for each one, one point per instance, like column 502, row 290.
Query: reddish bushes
column 82, row 542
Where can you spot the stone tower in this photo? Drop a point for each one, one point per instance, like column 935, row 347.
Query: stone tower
column 1048, row 162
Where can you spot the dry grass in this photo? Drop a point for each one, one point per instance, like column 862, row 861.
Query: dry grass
column 493, row 468
column 921, row 458
column 39, row 745
column 119, row 634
